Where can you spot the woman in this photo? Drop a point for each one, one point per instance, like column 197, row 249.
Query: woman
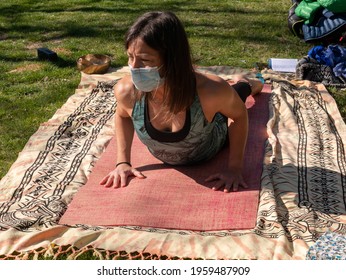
column 178, row 113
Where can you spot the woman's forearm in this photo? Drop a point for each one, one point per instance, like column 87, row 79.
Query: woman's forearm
column 124, row 134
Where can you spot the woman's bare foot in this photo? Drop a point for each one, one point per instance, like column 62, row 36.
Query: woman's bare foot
column 255, row 84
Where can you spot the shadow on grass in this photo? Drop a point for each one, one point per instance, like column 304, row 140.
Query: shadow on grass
column 91, row 14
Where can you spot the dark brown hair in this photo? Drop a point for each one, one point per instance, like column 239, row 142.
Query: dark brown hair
column 163, row 32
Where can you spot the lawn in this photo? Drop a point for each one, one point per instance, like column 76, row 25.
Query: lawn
column 238, row 33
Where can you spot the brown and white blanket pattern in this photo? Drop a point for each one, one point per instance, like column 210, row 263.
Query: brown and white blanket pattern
column 302, row 196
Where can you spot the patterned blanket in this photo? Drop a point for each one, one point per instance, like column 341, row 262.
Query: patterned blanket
column 302, row 194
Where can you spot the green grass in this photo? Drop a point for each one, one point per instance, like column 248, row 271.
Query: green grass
column 237, row 33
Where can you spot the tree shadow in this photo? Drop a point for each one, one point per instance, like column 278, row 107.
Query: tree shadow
column 315, row 188
column 78, row 29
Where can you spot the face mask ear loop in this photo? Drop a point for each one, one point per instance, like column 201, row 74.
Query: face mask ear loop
column 158, row 69
column 158, row 82
column 154, row 94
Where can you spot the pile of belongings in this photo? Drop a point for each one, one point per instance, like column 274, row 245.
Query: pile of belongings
column 318, row 20
column 326, row 65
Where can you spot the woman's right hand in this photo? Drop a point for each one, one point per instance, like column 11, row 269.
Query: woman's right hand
column 118, row 177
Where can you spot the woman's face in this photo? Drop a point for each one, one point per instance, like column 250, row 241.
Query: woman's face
column 140, row 55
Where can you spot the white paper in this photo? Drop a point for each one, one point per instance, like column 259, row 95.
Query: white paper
column 283, row 64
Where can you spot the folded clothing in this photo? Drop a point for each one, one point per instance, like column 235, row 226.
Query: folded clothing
column 324, row 25
column 310, row 69
column 336, row 6
column 330, row 246
column 307, row 10
column 334, row 56
column 330, row 55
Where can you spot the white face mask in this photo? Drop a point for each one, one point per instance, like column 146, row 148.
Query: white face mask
column 146, row 79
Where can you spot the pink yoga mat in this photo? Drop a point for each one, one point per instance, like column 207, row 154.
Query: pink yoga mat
column 175, row 197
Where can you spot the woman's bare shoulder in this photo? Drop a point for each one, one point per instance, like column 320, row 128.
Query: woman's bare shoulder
column 214, row 92
column 124, row 93
column 123, row 87
column 210, row 85
column 212, row 88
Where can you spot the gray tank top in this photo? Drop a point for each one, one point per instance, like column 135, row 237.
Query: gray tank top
column 202, row 141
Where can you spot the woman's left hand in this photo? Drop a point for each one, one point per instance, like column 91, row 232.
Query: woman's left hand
column 229, row 180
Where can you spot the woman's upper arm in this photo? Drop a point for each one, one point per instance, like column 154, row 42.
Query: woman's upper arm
column 231, row 104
